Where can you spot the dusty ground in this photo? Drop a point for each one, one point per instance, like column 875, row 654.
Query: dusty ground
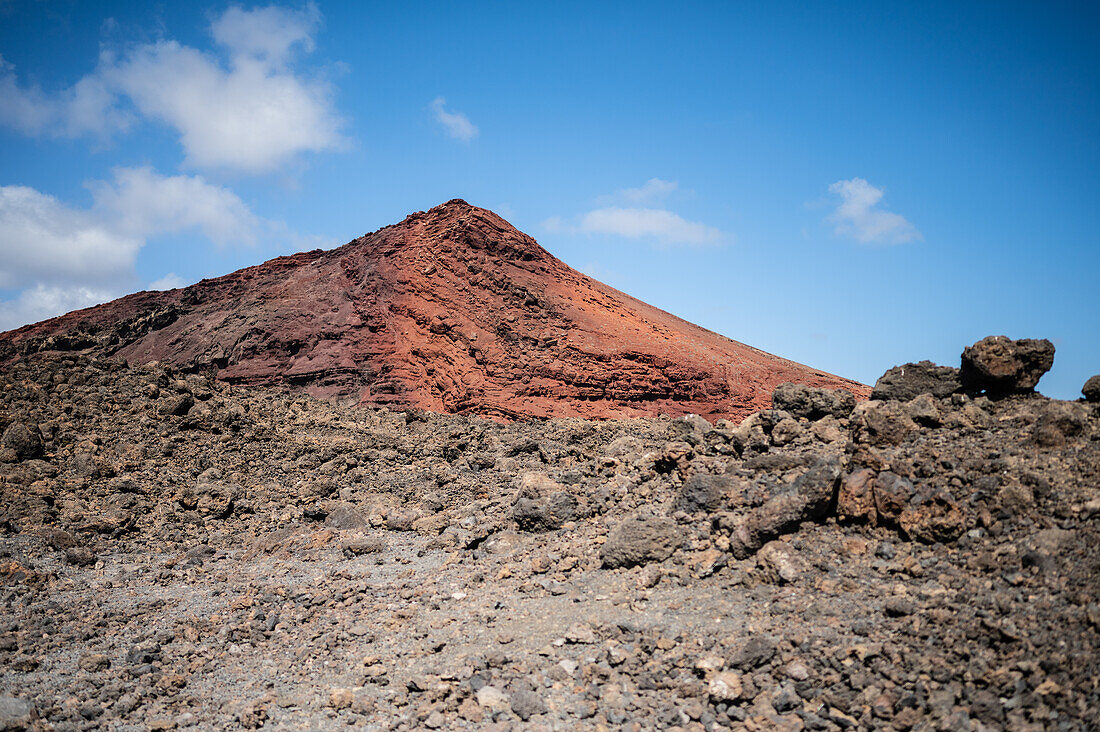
column 175, row 553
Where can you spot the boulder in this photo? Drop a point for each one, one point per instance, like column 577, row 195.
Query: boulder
column 1059, row 421
column 908, row 381
column 544, row 514
column 1000, row 365
column 25, row 441
column 811, row 402
column 881, row 423
column 703, row 492
column 1091, row 389
column 809, row 500
column 640, row 540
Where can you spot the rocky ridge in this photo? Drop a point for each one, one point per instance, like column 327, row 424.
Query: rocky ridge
column 179, row 552
column 452, row 310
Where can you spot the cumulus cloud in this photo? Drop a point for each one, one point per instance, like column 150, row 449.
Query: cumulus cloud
column 455, row 124
column 626, row 214
column 140, row 202
column 42, row 239
column 248, row 111
column 62, row 257
column 664, row 226
column 42, row 301
column 859, row 216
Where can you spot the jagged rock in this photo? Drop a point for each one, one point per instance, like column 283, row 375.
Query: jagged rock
column 346, row 516
column 24, row 440
column 881, row 423
column 526, row 704
column 703, row 492
column 786, row 432
column 1091, row 389
column 811, row 402
column 924, row 411
column 752, row 652
column 856, row 497
column 999, row 365
column 908, row 381
column 781, row 562
column 809, row 499
column 544, row 514
column 1059, row 421
column 640, row 540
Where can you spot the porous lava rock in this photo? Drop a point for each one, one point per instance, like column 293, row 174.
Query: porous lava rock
column 452, row 310
column 1091, row 389
column 639, row 540
column 811, row 402
column 1000, row 365
column 908, row 381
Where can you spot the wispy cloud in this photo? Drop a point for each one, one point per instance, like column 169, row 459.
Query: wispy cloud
column 455, row 124
column 859, row 216
column 625, row 214
column 248, row 110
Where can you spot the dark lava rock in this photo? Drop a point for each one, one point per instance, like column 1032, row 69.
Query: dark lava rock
column 639, row 540
column 811, row 402
column 1091, row 389
column 527, row 704
column 752, row 652
column 1000, row 365
column 899, row 607
column 25, row 441
column 812, row 495
column 544, row 514
column 346, row 516
column 703, row 492
column 908, row 381
column 1059, row 421
column 180, row 405
column 881, row 423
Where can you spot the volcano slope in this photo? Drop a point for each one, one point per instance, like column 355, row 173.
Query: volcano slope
column 451, row 310
column 177, row 552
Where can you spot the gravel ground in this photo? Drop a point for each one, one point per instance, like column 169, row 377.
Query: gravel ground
column 178, row 554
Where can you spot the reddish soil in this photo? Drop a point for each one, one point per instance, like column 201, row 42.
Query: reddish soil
column 451, row 310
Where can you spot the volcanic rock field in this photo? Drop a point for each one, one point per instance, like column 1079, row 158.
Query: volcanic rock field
column 206, row 523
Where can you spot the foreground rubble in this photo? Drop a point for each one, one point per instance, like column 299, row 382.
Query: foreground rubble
column 176, row 553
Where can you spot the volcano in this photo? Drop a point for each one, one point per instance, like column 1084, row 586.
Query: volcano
column 451, row 310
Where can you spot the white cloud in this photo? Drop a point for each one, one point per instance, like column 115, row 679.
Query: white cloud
column 654, row 190
column 626, row 214
column 252, row 114
column 858, row 215
column 41, row 302
column 61, row 257
column 455, row 124
column 170, row 281
column 142, row 203
column 42, row 239
column 662, row 225
column 269, row 34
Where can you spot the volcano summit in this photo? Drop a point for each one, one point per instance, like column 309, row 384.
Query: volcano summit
column 451, row 310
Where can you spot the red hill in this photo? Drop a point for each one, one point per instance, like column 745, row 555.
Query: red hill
column 451, row 310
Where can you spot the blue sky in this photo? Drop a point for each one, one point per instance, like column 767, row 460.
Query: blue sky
column 850, row 185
